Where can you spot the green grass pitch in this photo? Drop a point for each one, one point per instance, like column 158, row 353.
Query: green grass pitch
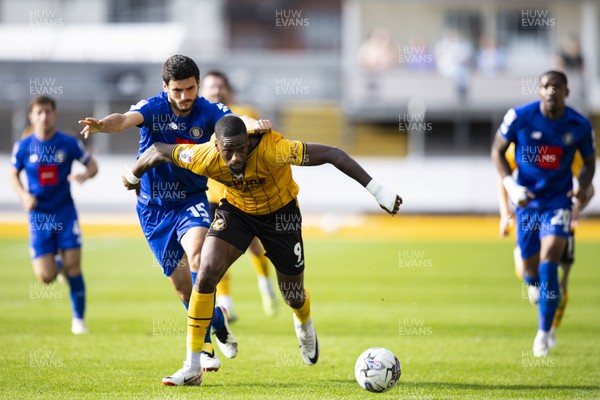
column 453, row 313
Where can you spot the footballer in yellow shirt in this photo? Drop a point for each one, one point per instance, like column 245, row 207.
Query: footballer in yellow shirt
column 260, row 200
column 215, row 87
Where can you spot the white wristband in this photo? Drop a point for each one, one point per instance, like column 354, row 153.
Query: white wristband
column 131, row 178
column 516, row 192
column 384, row 197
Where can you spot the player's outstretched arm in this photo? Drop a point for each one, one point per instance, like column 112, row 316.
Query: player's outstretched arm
column 318, row 154
column 113, row 123
column 154, row 155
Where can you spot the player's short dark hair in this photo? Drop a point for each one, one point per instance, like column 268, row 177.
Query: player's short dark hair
column 229, row 126
column 42, row 100
column 220, row 75
column 179, row 67
column 560, row 75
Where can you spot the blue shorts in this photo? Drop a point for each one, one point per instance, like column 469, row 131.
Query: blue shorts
column 533, row 225
column 164, row 227
column 53, row 231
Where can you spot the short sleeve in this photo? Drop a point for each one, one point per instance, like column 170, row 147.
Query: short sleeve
column 508, row 128
column 290, row 152
column 15, row 159
column 143, row 107
column 80, row 152
column 195, row 157
column 587, row 146
column 219, row 111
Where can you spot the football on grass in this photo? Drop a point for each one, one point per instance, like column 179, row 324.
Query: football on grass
column 377, row 369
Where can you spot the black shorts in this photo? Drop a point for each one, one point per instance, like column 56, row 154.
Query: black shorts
column 280, row 233
column 568, row 256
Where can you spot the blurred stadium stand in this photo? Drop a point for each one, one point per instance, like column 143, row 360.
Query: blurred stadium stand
column 298, row 62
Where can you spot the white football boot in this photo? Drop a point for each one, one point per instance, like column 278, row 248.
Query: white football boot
column 540, row 344
column 307, row 338
column 209, row 362
column 186, row 376
column 78, row 326
column 225, row 339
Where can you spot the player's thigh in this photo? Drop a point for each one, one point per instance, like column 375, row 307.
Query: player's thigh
column 256, row 247
column 160, row 229
column 192, row 241
column 291, row 288
column 528, row 232
column 531, row 265
column 217, row 256
column 45, row 268
column 554, row 232
column 553, row 247
column 281, row 235
column 69, row 234
column 43, row 238
column 71, row 259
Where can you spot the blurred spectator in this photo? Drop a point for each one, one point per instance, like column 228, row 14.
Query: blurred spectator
column 453, row 60
column 570, row 61
column 490, row 59
column 378, row 52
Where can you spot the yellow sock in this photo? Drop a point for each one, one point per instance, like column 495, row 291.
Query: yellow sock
column 303, row 313
column 560, row 311
column 260, row 264
column 200, row 313
column 223, row 288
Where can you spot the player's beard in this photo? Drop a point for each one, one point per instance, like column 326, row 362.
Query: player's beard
column 182, row 109
column 238, row 173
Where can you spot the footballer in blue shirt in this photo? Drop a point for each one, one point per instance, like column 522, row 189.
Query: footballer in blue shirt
column 172, row 206
column 546, row 134
column 46, row 157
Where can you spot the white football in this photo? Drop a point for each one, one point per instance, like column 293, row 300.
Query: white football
column 377, row 369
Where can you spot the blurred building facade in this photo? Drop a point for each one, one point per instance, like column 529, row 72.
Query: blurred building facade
column 376, row 77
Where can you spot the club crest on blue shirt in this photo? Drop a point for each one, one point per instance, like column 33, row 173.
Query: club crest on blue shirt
column 196, row 132
column 568, row 138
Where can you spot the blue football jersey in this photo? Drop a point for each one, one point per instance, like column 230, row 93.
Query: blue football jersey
column 166, row 185
column 544, row 151
column 47, row 165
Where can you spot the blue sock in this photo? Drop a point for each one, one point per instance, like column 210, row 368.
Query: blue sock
column 531, row 280
column 194, row 274
column 218, row 319
column 77, row 295
column 549, row 294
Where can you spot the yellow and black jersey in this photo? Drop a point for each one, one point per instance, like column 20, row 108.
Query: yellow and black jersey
column 267, row 184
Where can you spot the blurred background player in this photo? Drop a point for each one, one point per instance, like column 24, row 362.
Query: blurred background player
column 546, row 134
column 172, row 206
column 568, row 257
column 264, row 191
column 215, row 87
column 47, row 155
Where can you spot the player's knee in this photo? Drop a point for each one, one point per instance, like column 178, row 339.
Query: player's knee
column 46, row 277
column 293, row 298
column 206, row 281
